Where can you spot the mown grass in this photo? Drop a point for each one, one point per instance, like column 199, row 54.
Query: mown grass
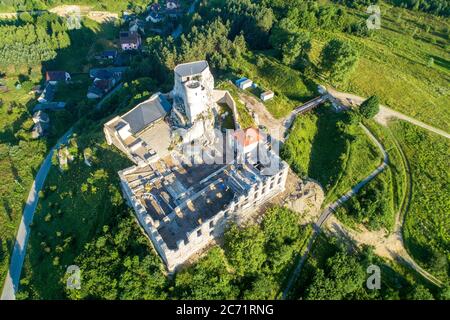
column 378, row 203
column 394, row 64
column 338, row 155
column 427, row 222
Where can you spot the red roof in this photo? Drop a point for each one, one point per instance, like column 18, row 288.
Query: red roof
column 103, row 84
column 129, row 37
column 248, row 136
column 55, row 76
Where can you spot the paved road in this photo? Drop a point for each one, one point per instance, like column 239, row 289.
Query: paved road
column 18, row 256
column 179, row 30
column 109, row 94
column 330, row 209
column 385, row 112
column 12, row 278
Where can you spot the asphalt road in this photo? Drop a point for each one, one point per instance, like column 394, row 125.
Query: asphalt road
column 329, row 210
column 18, row 256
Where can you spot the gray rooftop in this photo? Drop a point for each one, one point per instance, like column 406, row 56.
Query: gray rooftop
column 145, row 114
column 191, row 68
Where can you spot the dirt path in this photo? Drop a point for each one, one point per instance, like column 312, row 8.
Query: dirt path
column 385, row 113
column 263, row 116
column 389, row 246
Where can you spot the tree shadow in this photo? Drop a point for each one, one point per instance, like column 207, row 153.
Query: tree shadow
column 328, row 146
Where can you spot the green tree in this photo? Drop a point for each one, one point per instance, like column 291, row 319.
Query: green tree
column 281, row 226
column 263, row 288
column 209, row 278
column 420, row 293
column 370, row 107
column 244, row 249
column 142, row 278
column 338, row 59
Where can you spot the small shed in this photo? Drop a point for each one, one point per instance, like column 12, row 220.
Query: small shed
column 267, row 95
column 244, row 83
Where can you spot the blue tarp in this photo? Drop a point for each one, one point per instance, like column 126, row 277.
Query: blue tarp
column 238, row 82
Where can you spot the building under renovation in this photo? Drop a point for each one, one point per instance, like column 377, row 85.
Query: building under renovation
column 184, row 197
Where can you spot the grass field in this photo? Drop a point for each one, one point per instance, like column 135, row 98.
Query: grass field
column 323, row 147
column 427, row 223
column 395, row 63
column 291, row 88
column 378, row 203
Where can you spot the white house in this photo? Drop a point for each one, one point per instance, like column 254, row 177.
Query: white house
column 247, row 140
column 130, row 40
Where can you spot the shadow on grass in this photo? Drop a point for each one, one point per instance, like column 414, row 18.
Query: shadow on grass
column 328, row 146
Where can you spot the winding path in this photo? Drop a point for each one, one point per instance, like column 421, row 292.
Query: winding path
column 18, row 256
column 385, row 113
column 400, row 253
column 330, row 209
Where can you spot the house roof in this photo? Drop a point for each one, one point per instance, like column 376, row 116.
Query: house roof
column 155, row 7
column 55, row 76
column 129, row 37
column 102, row 74
column 191, row 68
column 237, row 82
column 95, row 90
column 106, row 73
column 40, row 116
column 48, row 93
column 267, row 93
column 103, row 84
column 109, row 53
column 248, row 136
column 145, row 113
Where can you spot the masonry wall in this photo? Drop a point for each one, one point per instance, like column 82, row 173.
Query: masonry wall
column 200, row 237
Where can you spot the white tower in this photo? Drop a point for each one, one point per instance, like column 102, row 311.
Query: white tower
column 194, row 85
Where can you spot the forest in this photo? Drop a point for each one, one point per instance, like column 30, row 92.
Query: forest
column 32, row 40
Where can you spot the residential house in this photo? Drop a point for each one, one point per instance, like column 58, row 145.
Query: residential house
column 130, row 40
column 155, row 7
column 48, row 94
column 154, row 17
column 104, row 80
column 41, row 124
column 107, row 55
column 53, row 77
column 136, row 25
column 172, row 5
column 173, row 8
